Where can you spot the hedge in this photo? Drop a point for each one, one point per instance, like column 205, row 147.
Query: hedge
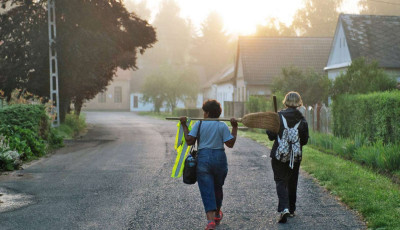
column 375, row 116
column 26, row 130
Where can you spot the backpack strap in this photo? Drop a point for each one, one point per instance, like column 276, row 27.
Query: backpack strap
column 284, row 122
column 297, row 125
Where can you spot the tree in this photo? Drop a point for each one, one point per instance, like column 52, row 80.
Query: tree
column 212, row 49
column 169, row 85
column 139, row 9
column 174, row 36
column 94, row 38
column 313, row 87
column 318, row 18
column 380, row 7
column 275, row 28
column 363, row 77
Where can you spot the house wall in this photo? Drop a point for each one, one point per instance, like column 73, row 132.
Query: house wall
column 259, row 90
column 240, row 93
column 340, row 53
column 224, row 93
column 110, row 97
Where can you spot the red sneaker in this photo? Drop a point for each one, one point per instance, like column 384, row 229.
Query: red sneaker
column 210, row 226
column 218, row 219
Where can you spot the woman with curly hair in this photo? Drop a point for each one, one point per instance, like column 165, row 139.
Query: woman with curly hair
column 212, row 166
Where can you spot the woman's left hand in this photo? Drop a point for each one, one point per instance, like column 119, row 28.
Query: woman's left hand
column 234, row 122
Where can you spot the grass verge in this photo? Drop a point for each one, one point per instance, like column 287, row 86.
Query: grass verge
column 72, row 127
column 374, row 196
column 160, row 116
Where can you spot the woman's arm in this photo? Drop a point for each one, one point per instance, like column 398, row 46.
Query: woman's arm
column 189, row 139
column 230, row 143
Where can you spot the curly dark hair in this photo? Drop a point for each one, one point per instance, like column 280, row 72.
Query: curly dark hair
column 213, row 107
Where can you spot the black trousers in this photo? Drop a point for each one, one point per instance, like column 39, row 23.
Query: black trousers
column 286, row 184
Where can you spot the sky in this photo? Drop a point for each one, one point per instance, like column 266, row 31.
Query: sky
column 241, row 17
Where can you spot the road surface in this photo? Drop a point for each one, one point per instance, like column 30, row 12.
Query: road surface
column 118, row 177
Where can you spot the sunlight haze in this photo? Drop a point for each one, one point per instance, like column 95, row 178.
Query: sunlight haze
column 241, row 17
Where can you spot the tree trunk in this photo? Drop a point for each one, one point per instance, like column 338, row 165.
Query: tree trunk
column 78, row 107
column 64, row 108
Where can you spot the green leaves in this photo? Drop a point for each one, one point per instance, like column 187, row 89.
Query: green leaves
column 362, row 77
column 170, row 85
column 374, row 115
column 313, row 87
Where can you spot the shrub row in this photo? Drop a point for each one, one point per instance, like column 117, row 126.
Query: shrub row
column 378, row 155
column 25, row 129
column 374, row 116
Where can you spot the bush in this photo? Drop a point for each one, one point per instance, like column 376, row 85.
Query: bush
column 32, row 117
column 374, row 116
column 9, row 159
column 362, row 77
column 71, row 127
column 25, row 130
column 380, row 156
column 262, row 103
column 312, row 86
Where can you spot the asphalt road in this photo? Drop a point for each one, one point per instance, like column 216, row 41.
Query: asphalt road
column 118, row 177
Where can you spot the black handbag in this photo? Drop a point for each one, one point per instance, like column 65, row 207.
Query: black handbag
column 190, row 167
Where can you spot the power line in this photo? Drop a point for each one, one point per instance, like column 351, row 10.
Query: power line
column 392, row 3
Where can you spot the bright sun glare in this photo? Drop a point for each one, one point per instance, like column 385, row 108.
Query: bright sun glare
column 241, row 17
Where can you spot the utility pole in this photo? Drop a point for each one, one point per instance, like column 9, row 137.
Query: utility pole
column 55, row 110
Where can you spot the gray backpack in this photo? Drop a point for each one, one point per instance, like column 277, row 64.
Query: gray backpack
column 289, row 145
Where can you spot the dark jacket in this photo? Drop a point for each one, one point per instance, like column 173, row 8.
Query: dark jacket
column 292, row 116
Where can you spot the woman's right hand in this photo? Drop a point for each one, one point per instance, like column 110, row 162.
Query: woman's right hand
column 183, row 120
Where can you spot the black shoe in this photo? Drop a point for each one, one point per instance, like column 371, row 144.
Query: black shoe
column 283, row 216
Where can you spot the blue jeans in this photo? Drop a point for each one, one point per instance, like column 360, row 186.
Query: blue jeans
column 212, row 168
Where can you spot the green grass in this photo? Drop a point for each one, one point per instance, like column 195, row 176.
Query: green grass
column 72, row 127
column 160, row 116
column 373, row 195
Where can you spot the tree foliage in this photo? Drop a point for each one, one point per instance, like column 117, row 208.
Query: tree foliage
column 174, row 36
column 94, row 38
column 275, row 28
column 380, row 7
column 169, row 85
column 318, row 18
column 312, row 86
column 363, row 77
column 212, row 49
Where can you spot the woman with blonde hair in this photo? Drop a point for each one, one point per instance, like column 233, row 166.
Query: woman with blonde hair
column 286, row 153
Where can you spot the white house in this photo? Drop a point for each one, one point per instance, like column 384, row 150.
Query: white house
column 220, row 86
column 374, row 37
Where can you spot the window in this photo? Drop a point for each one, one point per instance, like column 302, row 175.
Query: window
column 118, row 94
column 102, row 97
column 135, row 101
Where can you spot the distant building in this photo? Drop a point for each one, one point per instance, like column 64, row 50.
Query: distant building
column 220, row 86
column 374, row 37
column 116, row 97
column 260, row 59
